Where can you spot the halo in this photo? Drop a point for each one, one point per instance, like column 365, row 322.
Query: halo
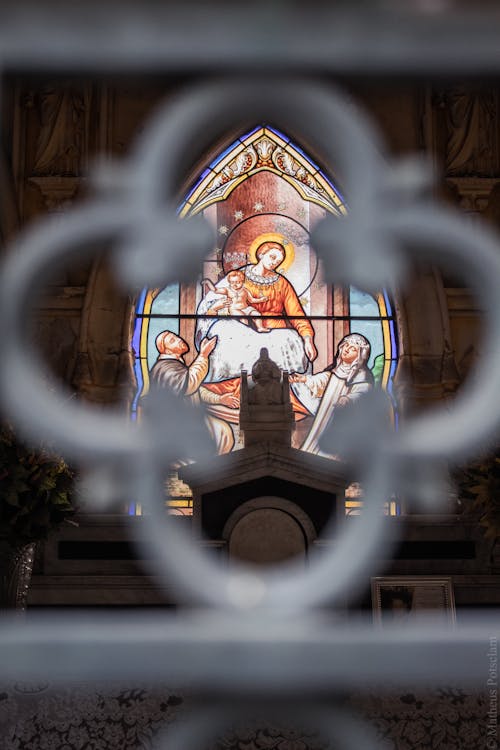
column 273, row 237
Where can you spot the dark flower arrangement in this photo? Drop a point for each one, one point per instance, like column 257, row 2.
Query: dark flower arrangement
column 479, row 491
column 36, row 489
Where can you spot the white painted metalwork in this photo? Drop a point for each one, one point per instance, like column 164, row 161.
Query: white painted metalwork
column 249, row 614
column 236, row 654
column 382, row 37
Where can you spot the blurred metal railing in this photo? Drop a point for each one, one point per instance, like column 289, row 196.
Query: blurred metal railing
column 255, row 638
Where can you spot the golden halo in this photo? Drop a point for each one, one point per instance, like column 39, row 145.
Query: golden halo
column 273, row 237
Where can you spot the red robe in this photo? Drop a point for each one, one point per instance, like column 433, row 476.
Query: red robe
column 233, row 386
column 281, row 299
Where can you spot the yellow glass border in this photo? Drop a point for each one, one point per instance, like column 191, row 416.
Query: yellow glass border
column 386, row 334
column 143, row 344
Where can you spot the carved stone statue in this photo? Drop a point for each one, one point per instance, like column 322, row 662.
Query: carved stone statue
column 469, row 122
column 266, row 376
column 266, row 413
column 61, row 145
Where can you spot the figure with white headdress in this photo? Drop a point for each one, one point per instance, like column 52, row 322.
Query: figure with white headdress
column 340, row 384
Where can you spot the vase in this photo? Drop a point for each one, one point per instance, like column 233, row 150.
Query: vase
column 16, row 567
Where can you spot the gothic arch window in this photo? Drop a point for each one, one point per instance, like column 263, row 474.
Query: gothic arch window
column 263, row 195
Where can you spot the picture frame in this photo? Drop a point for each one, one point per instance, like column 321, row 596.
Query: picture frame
column 399, row 599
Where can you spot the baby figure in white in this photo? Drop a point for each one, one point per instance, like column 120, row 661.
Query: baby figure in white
column 238, row 300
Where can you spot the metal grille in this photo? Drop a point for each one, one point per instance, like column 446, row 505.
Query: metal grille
column 251, row 637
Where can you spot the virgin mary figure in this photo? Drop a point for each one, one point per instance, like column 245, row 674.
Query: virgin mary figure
column 288, row 333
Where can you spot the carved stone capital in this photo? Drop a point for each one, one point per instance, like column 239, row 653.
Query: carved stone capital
column 58, row 192
column 473, row 192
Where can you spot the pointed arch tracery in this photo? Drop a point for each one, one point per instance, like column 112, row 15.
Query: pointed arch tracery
column 262, row 149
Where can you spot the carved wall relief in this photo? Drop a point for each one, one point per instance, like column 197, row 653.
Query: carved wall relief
column 472, row 193
column 62, row 143
column 460, row 130
column 471, row 147
column 56, row 128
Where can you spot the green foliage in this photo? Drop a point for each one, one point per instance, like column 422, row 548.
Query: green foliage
column 378, row 368
column 35, row 490
column 479, row 488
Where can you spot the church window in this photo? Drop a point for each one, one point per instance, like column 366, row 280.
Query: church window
column 261, row 285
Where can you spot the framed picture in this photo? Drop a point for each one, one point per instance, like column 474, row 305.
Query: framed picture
column 403, row 598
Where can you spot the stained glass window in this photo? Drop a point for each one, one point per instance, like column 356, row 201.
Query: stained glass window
column 261, row 285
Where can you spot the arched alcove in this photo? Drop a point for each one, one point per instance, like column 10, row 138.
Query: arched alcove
column 266, row 536
column 268, row 530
